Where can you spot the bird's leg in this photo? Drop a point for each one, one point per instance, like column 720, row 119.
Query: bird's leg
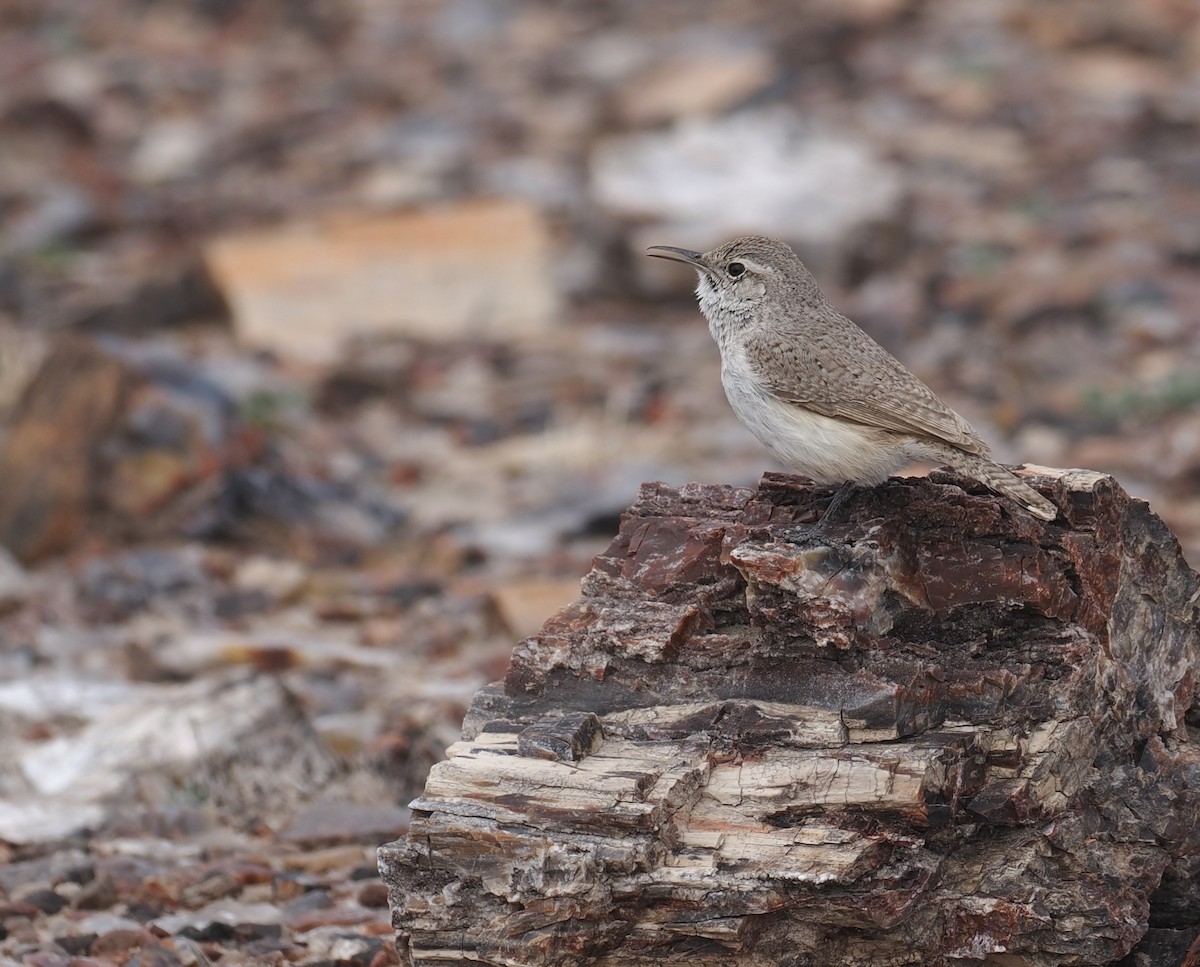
column 833, row 511
column 831, row 515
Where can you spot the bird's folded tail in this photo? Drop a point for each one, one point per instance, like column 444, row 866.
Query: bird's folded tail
column 1002, row 481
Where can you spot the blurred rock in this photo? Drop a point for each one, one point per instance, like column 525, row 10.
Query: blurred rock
column 278, row 579
column 107, row 436
column 16, row 585
column 477, row 269
column 194, row 653
column 170, row 148
column 240, row 743
column 233, row 913
column 372, row 894
column 694, row 83
column 762, row 171
column 48, row 456
column 132, row 440
column 60, row 866
column 114, row 587
column 45, row 900
column 1112, row 77
column 173, row 299
column 117, row 942
column 524, row 604
column 21, row 355
column 99, row 894
column 995, row 152
column 338, row 821
column 60, row 213
column 332, row 945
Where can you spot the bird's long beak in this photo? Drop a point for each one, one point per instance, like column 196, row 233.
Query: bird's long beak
column 677, row 255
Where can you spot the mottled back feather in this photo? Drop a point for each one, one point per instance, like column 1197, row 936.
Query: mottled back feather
column 845, row 374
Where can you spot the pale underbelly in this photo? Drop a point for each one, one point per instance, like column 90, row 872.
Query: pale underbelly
column 824, row 449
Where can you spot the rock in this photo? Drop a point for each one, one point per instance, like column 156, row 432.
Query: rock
column 47, row 901
column 333, row 946
column 277, row 578
column 373, row 894
column 62, row 212
column 16, row 585
column 239, row 742
column 124, row 439
column 153, row 954
column 335, row 821
column 994, row 152
column 477, row 269
column 75, row 944
column 108, row 434
column 319, row 864
column 171, row 300
column 117, row 942
column 217, row 885
column 18, row 910
column 21, row 355
column 694, row 83
column 258, row 919
column 65, row 865
column 47, row 956
column 169, row 149
column 46, row 463
column 704, row 181
column 524, row 603
column 1112, row 76
column 945, row 731
column 289, row 885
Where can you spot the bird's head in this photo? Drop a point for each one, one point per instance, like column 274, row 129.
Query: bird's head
column 736, row 277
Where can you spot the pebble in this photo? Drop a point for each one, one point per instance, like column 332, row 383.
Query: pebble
column 117, row 941
column 373, row 894
column 48, row 901
column 100, row 894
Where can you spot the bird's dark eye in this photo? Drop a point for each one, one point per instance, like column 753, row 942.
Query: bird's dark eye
column 735, row 269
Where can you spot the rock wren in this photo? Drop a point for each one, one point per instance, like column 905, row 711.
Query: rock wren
column 825, row 398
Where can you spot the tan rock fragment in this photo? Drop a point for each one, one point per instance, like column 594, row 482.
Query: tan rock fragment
column 475, row 269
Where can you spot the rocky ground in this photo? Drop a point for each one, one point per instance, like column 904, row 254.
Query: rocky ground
column 268, row 531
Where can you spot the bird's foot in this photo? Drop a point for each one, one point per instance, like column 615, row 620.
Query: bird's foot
column 819, row 532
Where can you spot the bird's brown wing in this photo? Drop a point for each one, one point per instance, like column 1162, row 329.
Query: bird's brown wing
column 851, row 377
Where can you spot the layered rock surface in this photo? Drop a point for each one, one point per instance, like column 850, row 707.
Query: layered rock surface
column 945, row 732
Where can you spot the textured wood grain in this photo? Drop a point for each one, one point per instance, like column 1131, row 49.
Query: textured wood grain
column 947, row 734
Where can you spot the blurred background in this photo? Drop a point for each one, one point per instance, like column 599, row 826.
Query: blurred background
column 329, row 355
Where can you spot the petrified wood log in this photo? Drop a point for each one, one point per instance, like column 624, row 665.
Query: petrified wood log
column 946, row 733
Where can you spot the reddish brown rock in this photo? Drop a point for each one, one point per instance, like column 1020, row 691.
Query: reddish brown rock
column 118, row 941
column 116, row 440
column 372, row 894
column 105, row 438
column 946, row 733
column 50, row 454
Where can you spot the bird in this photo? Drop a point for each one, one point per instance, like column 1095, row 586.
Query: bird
column 825, row 398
